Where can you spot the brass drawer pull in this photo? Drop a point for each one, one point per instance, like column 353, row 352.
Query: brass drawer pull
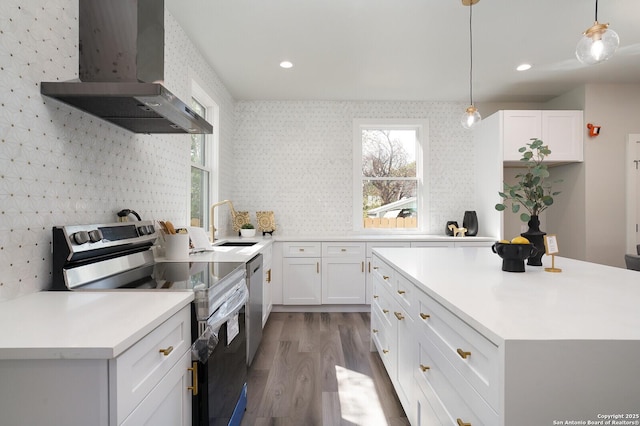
column 362, row 266
column 401, row 292
column 167, row 351
column 384, row 277
column 194, row 378
column 375, row 296
column 385, row 311
column 375, row 267
column 461, row 423
column 375, row 330
column 301, row 249
column 399, row 315
column 384, row 351
column 424, row 367
column 463, row 354
column 424, row 316
column 343, row 249
column 269, row 276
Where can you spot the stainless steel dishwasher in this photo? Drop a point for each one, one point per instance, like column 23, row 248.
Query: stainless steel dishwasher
column 254, row 306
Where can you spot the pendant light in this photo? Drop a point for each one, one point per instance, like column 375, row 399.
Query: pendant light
column 471, row 116
column 597, row 44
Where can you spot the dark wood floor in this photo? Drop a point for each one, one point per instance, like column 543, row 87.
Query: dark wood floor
column 317, row 369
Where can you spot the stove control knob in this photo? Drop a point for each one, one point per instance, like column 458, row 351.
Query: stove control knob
column 80, row 237
column 151, row 229
column 142, row 230
column 95, row 235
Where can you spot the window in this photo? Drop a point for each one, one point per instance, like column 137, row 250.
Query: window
column 203, row 161
column 389, row 175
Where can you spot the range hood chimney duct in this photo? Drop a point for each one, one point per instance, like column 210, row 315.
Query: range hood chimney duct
column 121, row 70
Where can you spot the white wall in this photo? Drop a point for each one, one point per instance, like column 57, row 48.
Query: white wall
column 61, row 166
column 295, row 158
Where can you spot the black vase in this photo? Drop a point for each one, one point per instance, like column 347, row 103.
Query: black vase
column 535, row 237
column 470, row 222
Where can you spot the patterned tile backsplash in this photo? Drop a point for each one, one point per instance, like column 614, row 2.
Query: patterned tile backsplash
column 61, row 166
column 296, row 158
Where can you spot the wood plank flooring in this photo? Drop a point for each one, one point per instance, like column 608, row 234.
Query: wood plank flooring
column 317, row 369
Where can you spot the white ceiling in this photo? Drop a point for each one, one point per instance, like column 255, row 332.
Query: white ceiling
column 406, row 49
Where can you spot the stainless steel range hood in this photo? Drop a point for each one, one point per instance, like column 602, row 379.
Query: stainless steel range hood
column 121, row 55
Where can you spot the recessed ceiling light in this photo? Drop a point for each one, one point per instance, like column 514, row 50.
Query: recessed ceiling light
column 523, row 67
column 286, row 64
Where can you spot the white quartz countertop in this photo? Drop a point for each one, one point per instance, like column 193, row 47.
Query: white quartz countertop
column 585, row 301
column 219, row 253
column 379, row 237
column 82, row 325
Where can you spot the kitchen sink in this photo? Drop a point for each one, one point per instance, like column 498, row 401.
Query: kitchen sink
column 238, row 244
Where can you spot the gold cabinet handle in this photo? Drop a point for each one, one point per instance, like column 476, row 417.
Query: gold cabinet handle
column 269, row 276
column 301, row 249
column 424, row 367
column 369, row 264
column 375, row 296
column 318, row 267
column 343, row 249
column 375, row 330
column 384, row 277
column 384, row 351
column 167, row 351
column 375, row 267
column 401, row 292
column 385, row 311
column 399, row 315
column 363, row 266
column 424, row 316
column 194, row 378
column 463, row 354
column 461, row 423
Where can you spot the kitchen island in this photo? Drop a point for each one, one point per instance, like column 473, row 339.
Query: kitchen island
column 488, row 347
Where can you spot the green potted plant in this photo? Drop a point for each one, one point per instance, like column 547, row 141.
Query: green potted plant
column 247, row 230
column 533, row 192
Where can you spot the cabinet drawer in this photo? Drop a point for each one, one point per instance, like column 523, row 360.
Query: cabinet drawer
column 405, row 294
column 138, row 370
column 371, row 246
column 382, row 273
column 459, row 399
column 382, row 304
column 301, row 249
column 455, row 338
column 343, row 249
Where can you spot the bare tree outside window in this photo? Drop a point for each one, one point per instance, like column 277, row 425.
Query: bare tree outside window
column 389, row 176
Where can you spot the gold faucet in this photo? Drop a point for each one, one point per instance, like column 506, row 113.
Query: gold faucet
column 213, row 206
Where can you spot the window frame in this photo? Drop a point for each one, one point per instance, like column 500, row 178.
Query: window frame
column 421, row 126
column 211, row 153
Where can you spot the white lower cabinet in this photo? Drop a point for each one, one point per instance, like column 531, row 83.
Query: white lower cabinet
column 343, row 273
column 148, row 384
column 169, row 403
column 301, row 281
column 267, row 286
column 444, row 372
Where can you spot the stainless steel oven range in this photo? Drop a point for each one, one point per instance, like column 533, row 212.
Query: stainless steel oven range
column 118, row 257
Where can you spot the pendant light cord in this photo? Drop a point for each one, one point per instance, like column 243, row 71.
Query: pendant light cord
column 596, row 10
column 470, row 56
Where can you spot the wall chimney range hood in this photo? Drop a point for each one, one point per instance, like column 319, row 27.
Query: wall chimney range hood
column 121, row 68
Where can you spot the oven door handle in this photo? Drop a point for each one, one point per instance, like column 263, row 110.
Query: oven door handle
column 208, row 340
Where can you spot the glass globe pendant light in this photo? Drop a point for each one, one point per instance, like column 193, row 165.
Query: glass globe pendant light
column 471, row 115
column 598, row 43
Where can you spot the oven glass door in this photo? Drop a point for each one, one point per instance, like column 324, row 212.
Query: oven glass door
column 222, row 379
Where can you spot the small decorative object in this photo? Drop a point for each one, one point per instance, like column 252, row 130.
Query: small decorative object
column 266, row 222
column 513, row 254
column 532, row 192
column 457, row 231
column 551, row 249
column 240, row 219
column 449, row 230
column 593, row 130
column 247, row 230
column 470, row 222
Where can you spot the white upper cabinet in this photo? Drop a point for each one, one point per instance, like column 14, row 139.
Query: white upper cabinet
column 561, row 130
